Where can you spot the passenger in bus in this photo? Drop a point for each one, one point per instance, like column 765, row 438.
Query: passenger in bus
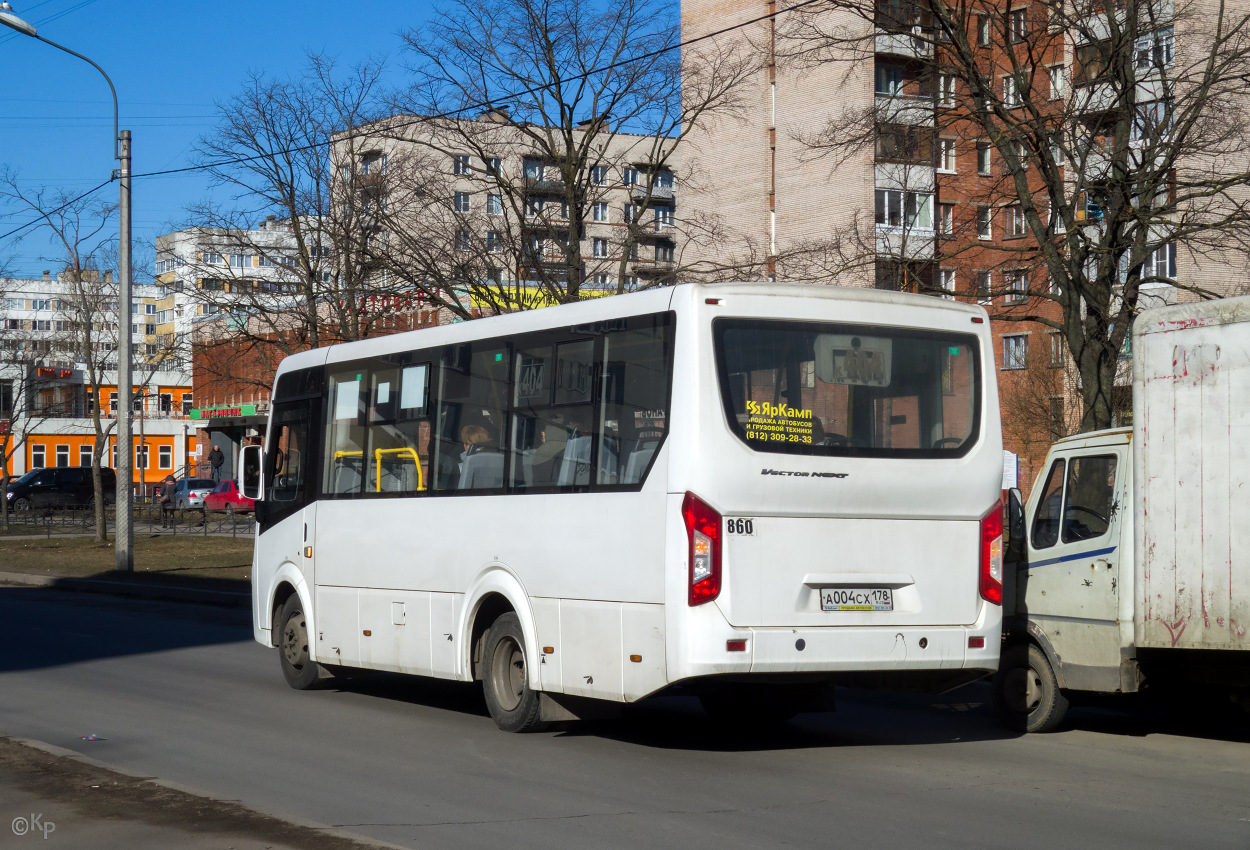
column 476, row 439
column 554, row 438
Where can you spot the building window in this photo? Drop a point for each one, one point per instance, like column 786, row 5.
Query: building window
column 889, row 79
column 238, row 261
column 462, row 240
column 1011, row 94
column 663, row 253
column 629, row 176
column 533, row 169
column 141, row 457
column 1015, row 352
column 1015, row 219
column 1160, row 264
column 1056, row 82
column 983, row 30
column 946, row 217
column 1056, row 349
column 664, row 180
column 946, row 90
column 1091, row 61
column 599, row 175
column 985, row 293
column 494, row 204
column 946, row 155
column 373, row 162
column 897, row 208
column 946, row 282
column 599, row 247
column 903, row 143
column 461, row 202
column 38, row 457
column 62, row 455
column 1019, row 24
column 1017, row 287
column 600, row 211
column 663, row 217
column 985, row 217
column 983, row 158
column 493, row 243
column 629, row 213
column 84, row 454
column 1152, row 121
column 113, row 403
column 165, row 457
column 188, row 403
column 601, row 280
column 460, row 165
column 1154, row 50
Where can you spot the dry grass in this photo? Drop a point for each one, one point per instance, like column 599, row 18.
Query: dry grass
column 181, row 556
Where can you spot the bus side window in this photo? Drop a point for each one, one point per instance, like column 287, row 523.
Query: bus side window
column 473, row 385
column 344, row 461
column 634, row 401
column 396, row 456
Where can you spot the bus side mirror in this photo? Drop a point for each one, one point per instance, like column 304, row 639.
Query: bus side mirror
column 251, row 479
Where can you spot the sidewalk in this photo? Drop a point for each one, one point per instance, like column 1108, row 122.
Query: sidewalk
column 140, row 585
column 70, row 800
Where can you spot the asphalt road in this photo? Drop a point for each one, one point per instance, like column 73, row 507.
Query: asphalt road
column 181, row 692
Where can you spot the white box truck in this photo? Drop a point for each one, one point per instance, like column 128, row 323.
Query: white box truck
column 1129, row 567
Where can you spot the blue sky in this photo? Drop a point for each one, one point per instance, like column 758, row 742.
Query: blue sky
column 170, row 61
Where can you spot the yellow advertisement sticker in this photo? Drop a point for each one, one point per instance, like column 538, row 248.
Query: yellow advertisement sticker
column 777, row 423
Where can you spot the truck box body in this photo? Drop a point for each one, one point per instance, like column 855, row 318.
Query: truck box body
column 1191, row 455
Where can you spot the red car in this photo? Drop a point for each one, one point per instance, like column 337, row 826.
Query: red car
column 228, row 498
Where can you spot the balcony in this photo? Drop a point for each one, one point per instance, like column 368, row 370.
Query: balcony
column 638, row 192
column 542, row 186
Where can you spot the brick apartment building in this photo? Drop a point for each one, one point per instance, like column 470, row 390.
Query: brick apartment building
column 854, row 162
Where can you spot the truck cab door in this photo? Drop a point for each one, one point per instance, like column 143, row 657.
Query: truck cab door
column 1070, row 589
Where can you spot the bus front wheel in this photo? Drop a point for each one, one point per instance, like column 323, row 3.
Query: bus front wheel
column 300, row 670
column 513, row 705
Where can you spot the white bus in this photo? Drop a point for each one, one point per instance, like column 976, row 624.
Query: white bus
column 744, row 492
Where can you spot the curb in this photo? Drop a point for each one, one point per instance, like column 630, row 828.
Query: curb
column 73, row 755
column 134, row 590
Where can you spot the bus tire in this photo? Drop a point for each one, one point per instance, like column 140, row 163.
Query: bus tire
column 300, row 671
column 1026, row 691
column 513, row 705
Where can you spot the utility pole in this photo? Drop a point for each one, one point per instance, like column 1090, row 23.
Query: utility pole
column 124, row 534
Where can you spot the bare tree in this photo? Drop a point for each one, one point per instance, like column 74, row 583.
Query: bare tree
column 79, row 230
column 1118, row 132
column 286, row 261
column 594, row 98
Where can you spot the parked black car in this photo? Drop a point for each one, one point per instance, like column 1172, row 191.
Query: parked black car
column 59, row 487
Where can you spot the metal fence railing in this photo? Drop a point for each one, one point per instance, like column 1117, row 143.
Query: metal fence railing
column 147, row 519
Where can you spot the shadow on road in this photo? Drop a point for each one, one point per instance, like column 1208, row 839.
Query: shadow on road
column 44, row 627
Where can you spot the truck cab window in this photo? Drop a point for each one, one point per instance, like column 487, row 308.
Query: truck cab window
column 1090, row 502
column 1046, row 521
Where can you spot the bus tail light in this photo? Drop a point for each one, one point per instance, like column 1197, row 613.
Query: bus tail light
column 992, row 555
column 703, row 531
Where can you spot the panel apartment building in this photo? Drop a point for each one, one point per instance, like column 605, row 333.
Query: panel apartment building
column 46, row 396
column 853, row 163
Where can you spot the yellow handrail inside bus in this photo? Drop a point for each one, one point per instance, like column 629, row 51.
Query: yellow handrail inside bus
column 377, row 460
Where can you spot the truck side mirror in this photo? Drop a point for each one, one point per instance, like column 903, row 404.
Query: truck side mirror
column 1015, row 515
column 251, row 477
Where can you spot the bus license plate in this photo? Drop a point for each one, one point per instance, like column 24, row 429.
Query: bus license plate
column 856, row 599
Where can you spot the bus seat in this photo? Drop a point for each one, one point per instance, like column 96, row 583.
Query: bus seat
column 482, row 470
column 575, row 468
column 638, row 460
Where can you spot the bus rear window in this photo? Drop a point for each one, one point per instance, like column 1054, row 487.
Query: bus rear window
column 814, row 388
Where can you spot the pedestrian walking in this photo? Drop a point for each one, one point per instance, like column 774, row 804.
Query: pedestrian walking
column 167, row 501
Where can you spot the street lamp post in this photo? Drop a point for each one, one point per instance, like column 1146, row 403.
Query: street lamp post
column 124, row 533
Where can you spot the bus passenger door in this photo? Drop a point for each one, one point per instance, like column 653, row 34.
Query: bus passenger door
column 287, row 523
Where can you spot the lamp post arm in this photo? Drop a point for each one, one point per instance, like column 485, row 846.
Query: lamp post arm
column 116, row 143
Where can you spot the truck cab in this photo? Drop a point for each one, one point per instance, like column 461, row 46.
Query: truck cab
column 1068, row 595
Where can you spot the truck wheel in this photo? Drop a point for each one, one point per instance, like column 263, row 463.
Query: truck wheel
column 1026, row 691
column 301, row 672
column 505, row 678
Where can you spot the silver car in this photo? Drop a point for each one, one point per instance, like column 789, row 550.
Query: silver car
column 190, row 492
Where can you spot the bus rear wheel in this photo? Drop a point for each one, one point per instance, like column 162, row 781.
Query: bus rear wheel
column 300, row 670
column 513, row 705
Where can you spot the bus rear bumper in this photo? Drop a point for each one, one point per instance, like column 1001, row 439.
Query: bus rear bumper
column 834, row 650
